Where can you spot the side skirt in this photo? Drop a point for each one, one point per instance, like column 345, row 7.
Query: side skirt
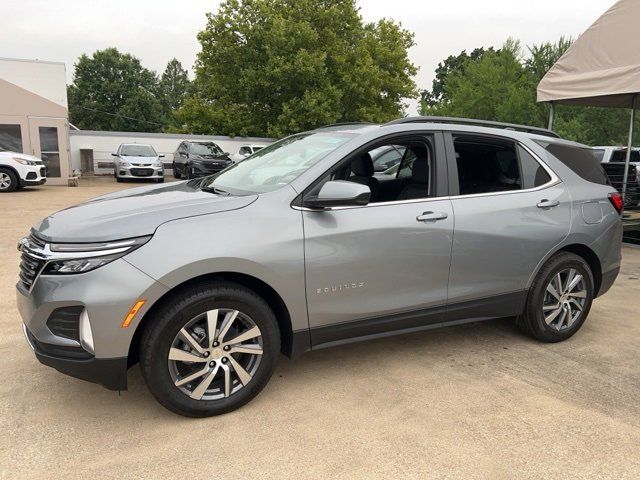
column 506, row 305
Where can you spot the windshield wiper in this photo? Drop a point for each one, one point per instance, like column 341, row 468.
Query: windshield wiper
column 217, row 190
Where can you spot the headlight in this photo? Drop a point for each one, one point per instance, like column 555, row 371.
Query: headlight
column 124, row 164
column 25, row 162
column 71, row 258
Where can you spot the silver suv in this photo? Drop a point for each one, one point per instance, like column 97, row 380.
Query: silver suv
column 205, row 282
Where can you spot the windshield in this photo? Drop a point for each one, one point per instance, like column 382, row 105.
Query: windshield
column 209, row 148
column 278, row 164
column 138, row 151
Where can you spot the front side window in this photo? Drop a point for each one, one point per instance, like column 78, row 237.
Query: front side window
column 278, row 164
column 137, row 151
column 208, row 148
column 411, row 179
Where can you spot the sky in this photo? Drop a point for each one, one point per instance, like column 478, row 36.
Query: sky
column 158, row 30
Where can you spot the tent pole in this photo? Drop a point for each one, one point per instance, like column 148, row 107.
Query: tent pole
column 551, row 112
column 629, row 145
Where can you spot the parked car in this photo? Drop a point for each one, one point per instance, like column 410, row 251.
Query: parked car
column 206, row 283
column 137, row 160
column 245, row 151
column 613, row 161
column 18, row 170
column 197, row 159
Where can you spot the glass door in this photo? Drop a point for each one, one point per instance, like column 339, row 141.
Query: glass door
column 49, row 142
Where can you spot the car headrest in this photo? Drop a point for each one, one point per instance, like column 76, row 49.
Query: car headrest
column 362, row 166
column 420, row 169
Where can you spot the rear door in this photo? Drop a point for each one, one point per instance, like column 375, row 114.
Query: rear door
column 510, row 211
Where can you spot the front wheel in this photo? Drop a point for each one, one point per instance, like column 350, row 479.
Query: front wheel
column 210, row 350
column 559, row 300
column 176, row 173
column 8, row 180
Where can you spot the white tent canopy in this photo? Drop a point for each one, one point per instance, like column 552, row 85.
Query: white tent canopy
column 602, row 67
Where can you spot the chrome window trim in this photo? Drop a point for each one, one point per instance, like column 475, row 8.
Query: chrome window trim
column 555, row 180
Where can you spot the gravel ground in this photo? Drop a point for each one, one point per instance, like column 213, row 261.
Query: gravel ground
column 475, row 401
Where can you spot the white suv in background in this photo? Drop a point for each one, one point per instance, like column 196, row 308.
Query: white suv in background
column 18, row 170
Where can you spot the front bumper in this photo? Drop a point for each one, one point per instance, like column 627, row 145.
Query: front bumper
column 108, row 372
column 32, row 183
column 207, row 168
column 140, row 172
column 106, row 294
column 32, row 175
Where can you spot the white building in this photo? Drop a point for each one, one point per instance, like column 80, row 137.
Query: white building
column 34, row 117
column 91, row 150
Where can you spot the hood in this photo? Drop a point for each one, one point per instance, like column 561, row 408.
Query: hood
column 134, row 212
column 24, row 156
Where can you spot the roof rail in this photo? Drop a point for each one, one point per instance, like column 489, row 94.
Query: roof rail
column 473, row 121
column 344, row 124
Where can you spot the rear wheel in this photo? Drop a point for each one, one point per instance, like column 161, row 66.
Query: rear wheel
column 559, row 300
column 210, row 350
column 8, row 180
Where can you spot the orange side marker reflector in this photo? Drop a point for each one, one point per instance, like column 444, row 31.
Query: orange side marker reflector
column 132, row 313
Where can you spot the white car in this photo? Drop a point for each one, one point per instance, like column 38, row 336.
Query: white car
column 138, row 160
column 245, row 151
column 18, row 170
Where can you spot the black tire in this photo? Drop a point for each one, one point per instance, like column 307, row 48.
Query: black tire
column 11, row 178
column 188, row 174
column 156, row 341
column 532, row 321
column 160, row 180
column 119, row 180
column 176, row 173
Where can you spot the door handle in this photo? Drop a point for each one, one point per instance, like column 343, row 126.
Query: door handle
column 431, row 216
column 548, row 203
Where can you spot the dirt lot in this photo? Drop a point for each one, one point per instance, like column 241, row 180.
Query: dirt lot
column 477, row 401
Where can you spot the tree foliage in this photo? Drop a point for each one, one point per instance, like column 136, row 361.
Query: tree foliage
column 272, row 67
column 113, row 91
column 501, row 85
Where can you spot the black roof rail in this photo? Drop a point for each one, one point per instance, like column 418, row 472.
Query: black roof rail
column 344, row 124
column 473, row 121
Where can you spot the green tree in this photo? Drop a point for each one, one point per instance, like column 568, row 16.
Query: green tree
column 174, row 86
column 453, row 63
column 113, row 91
column 272, row 67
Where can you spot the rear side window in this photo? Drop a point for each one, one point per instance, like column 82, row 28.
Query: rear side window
column 621, row 156
column 581, row 160
column 533, row 174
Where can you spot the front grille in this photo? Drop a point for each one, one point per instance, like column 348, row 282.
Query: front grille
column 141, row 172
column 31, row 261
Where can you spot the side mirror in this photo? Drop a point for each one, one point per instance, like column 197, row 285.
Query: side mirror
column 160, row 156
column 114, row 154
column 339, row 193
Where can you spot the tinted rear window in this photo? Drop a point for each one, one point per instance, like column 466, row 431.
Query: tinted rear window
column 621, row 156
column 581, row 160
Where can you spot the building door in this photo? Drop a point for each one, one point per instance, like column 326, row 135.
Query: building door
column 49, row 142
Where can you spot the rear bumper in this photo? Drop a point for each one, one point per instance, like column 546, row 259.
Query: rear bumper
column 108, row 372
column 607, row 281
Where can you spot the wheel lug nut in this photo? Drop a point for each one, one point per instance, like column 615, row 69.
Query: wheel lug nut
column 215, row 344
column 212, row 364
column 224, row 360
column 226, row 347
column 206, row 354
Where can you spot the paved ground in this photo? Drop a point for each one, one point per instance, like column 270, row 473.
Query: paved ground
column 478, row 401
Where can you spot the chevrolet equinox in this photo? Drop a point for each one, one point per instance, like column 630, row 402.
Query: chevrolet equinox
column 205, row 282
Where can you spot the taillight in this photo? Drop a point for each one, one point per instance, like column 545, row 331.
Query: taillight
column 616, row 201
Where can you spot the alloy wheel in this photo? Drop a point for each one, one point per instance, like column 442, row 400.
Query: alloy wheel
column 5, row 181
column 215, row 354
column 564, row 299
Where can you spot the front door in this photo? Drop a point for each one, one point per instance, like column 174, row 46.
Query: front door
column 49, row 142
column 385, row 266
